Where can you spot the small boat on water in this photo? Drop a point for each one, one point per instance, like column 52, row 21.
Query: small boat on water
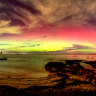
column 3, row 58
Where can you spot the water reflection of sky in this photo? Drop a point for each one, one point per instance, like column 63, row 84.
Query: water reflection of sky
column 34, row 64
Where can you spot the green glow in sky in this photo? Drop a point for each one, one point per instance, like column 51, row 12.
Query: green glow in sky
column 39, row 46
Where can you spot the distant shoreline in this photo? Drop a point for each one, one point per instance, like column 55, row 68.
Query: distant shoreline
column 42, row 54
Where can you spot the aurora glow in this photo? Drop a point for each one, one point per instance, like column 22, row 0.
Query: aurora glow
column 48, row 25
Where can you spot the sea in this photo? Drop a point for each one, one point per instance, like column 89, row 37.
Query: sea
column 23, row 70
column 28, row 65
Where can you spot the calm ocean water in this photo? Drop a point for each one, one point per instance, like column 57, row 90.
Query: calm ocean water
column 29, row 65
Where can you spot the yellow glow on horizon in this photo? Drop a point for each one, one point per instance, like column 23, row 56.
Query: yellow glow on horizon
column 42, row 46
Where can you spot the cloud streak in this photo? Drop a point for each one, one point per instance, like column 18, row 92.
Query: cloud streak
column 37, row 13
column 77, row 49
column 6, row 28
column 77, row 46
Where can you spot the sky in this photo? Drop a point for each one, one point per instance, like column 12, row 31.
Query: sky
column 63, row 26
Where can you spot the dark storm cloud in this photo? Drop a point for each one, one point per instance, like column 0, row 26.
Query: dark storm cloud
column 75, row 49
column 34, row 45
column 76, row 46
column 23, row 46
column 44, row 36
column 4, row 44
column 11, row 10
column 37, row 13
column 30, row 45
column 70, row 49
column 20, row 4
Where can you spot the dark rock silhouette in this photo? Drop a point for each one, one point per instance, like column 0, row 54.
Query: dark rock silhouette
column 71, row 67
column 54, row 66
column 9, row 91
column 92, row 63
